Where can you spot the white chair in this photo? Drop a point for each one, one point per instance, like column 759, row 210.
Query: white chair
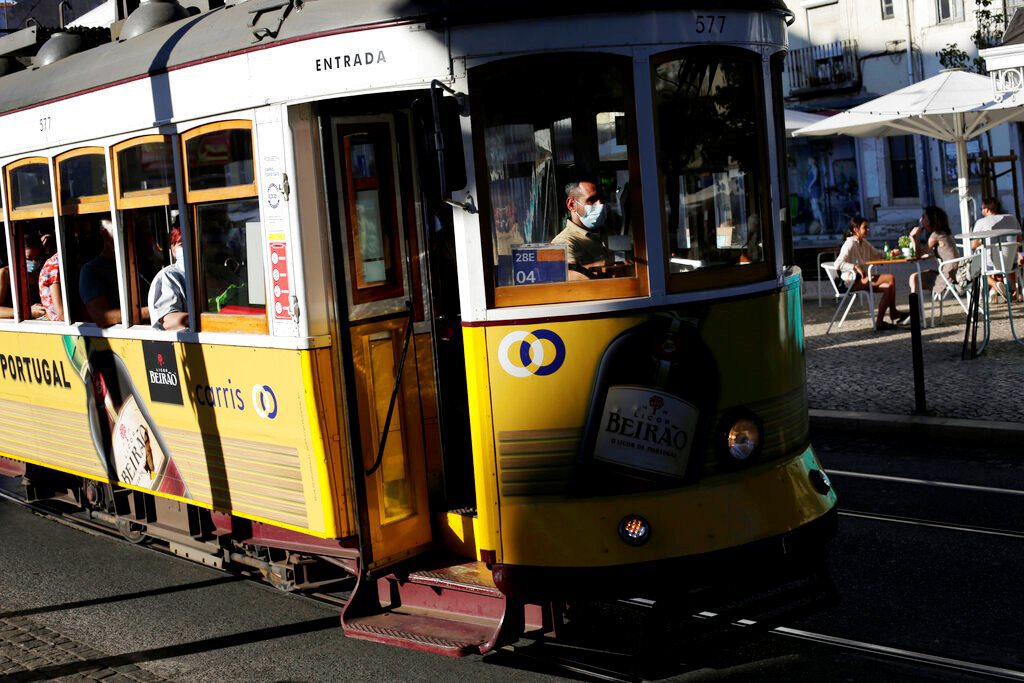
column 1003, row 262
column 831, row 255
column 846, row 298
column 948, row 290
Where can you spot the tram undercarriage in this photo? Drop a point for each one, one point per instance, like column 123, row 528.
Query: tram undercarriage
column 443, row 604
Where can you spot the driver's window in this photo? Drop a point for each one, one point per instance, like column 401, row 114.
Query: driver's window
column 559, row 202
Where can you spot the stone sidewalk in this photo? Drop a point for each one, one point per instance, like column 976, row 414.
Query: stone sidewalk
column 32, row 652
column 856, row 374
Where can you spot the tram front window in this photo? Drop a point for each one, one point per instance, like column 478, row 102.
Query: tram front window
column 559, row 172
column 711, row 135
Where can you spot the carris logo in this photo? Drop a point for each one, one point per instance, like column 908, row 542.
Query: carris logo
column 264, row 401
column 522, row 354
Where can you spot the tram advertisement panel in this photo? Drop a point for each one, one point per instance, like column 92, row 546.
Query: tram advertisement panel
column 227, row 427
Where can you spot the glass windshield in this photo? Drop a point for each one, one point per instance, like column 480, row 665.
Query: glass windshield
column 709, row 110
column 559, row 171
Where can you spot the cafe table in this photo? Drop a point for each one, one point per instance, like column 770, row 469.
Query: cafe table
column 884, row 263
column 988, row 236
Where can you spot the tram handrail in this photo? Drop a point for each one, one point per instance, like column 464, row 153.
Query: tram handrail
column 394, row 394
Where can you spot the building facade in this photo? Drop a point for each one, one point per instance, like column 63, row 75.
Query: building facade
column 846, row 52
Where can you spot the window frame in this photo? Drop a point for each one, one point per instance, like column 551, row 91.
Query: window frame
column 957, row 12
column 220, row 322
column 891, row 4
column 144, row 199
column 573, row 291
column 30, row 211
column 215, row 194
column 80, row 206
column 141, row 199
column 716, row 277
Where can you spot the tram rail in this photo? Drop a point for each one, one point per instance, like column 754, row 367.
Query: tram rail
column 572, row 659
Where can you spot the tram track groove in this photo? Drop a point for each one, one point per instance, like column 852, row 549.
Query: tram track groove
column 932, row 524
column 925, row 482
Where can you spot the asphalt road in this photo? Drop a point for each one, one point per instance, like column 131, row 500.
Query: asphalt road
column 931, row 570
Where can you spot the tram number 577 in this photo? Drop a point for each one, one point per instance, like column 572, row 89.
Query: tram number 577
column 710, row 23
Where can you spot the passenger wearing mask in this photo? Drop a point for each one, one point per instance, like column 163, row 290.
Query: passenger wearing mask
column 33, row 262
column 583, row 234
column 49, row 281
column 167, row 298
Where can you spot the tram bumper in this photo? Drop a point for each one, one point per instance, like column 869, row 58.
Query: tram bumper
column 768, row 522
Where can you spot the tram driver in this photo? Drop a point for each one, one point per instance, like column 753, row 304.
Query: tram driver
column 585, row 235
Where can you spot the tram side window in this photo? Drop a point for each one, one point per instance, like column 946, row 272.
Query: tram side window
column 712, row 144
column 89, row 256
column 35, row 246
column 144, row 175
column 559, row 176
column 222, row 197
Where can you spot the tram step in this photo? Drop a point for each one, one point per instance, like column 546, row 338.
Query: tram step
column 424, row 631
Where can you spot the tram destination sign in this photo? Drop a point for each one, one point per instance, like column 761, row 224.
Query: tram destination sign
column 534, row 264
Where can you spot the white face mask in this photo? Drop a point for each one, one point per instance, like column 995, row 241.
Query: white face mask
column 178, row 253
column 593, row 216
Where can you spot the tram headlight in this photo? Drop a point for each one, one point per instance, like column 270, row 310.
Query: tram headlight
column 742, row 436
column 634, row 530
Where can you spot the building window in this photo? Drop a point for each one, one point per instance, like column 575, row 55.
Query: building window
column 888, row 12
column 903, row 166
column 950, row 10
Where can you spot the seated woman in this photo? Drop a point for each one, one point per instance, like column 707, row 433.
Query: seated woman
column 850, row 263
column 935, row 223
column 30, row 280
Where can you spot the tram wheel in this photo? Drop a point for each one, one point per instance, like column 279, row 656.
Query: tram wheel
column 132, row 532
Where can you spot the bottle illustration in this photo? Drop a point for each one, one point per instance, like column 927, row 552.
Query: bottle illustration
column 651, row 409
column 123, row 431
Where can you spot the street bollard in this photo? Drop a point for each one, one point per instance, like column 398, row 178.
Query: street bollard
column 918, row 354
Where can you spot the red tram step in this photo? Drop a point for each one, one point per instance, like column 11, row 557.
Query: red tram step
column 452, row 610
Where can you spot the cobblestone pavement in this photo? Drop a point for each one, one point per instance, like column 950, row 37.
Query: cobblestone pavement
column 853, row 368
column 32, row 652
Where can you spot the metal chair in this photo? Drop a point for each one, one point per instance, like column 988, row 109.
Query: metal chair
column 949, row 290
column 846, row 298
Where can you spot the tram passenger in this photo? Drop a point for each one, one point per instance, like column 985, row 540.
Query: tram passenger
column 49, row 280
column 587, row 244
column 167, row 307
column 97, row 282
column 850, row 263
column 33, row 260
column 935, row 223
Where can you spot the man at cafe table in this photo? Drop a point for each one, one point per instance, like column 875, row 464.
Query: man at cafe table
column 852, row 266
column 992, row 218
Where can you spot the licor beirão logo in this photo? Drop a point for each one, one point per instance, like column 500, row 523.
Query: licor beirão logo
column 264, row 401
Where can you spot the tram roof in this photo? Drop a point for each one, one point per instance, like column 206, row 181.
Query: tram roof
column 227, row 30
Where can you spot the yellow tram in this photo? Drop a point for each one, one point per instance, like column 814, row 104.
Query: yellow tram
column 487, row 308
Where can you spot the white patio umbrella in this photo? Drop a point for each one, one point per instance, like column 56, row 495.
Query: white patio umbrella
column 955, row 106
column 795, row 120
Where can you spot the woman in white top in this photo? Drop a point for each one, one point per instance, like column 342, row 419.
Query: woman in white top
column 851, row 264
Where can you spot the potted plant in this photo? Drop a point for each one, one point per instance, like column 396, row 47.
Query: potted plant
column 905, row 245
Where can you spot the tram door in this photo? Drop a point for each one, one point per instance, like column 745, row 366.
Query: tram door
column 377, row 225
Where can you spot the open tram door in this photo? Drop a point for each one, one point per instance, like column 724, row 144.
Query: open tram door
column 398, row 324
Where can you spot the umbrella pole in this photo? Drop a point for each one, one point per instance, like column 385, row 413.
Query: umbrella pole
column 961, row 185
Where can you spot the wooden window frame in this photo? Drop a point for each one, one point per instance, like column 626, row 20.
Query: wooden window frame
column 571, row 291
column 219, row 322
column 141, row 199
column 80, row 206
column 31, row 211
column 216, row 194
column 724, row 275
column 387, row 186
